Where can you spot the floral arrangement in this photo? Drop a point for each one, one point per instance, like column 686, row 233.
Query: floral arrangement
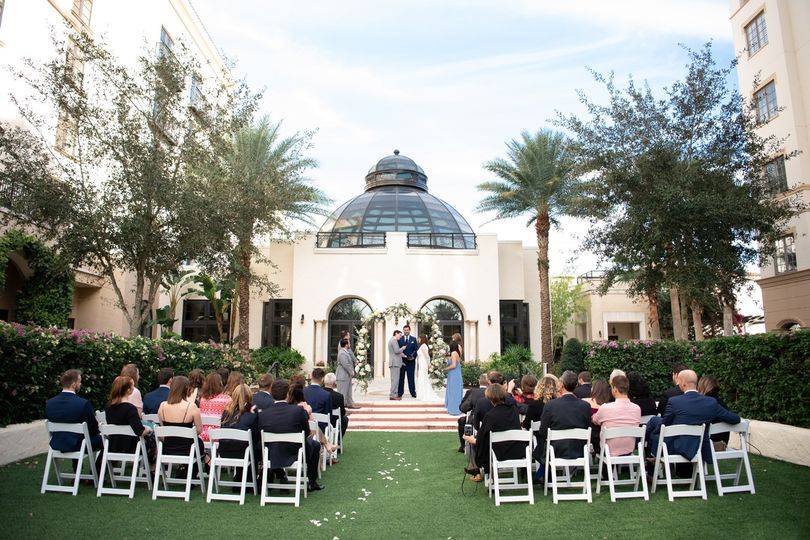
column 438, row 348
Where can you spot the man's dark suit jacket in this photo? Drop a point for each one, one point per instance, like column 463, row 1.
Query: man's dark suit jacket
column 318, row 398
column 153, row 399
column 665, row 397
column 410, row 344
column 483, row 406
column 503, row 417
column 262, row 400
column 282, row 417
column 338, row 402
column 68, row 408
column 564, row 412
column 583, row 391
column 470, row 398
column 693, row 408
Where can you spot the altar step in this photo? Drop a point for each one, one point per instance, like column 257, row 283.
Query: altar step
column 401, row 416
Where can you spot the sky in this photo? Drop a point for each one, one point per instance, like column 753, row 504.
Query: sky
column 448, row 83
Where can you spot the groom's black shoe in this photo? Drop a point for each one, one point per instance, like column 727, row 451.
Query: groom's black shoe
column 315, row 486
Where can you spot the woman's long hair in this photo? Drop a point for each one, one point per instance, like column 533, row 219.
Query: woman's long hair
column 241, row 402
column 212, row 386
column 234, row 381
column 547, row 388
column 600, row 392
column 423, row 340
column 296, row 394
column 179, row 390
column 708, row 386
column 131, row 371
column 121, row 387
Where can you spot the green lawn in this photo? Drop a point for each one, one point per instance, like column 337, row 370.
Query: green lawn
column 422, row 501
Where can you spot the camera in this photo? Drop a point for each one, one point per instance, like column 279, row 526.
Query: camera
column 468, row 429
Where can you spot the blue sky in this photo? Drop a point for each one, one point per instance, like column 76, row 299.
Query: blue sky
column 448, row 82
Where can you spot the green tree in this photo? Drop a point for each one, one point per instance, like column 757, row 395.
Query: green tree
column 567, row 301
column 127, row 171
column 220, row 295
column 535, row 179
column 261, row 190
column 676, row 188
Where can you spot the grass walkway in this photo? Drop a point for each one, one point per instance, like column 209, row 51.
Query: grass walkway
column 422, row 499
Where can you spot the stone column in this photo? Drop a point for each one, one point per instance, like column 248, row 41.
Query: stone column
column 319, row 338
column 380, row 351
column 470, row 340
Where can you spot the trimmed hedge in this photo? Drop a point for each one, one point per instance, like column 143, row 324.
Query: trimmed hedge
column 32, row 358
column 289, row 361
column 763, row 376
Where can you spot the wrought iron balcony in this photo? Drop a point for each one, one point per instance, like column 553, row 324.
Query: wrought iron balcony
column 350, row 240
column 442, row 240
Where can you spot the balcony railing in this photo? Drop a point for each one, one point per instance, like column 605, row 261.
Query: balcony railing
column 350, row 240
column 442, row 240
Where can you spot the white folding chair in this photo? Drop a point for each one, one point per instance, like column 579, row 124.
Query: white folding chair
column 138, row 459
column 740, row 455
column 553, row 463
column 101, row 417
column 632, row 460
column 298, row 469
column 213, row 422
column 191, row 459
column 321, row 419
column 85, row 451
column 664, row 459
column 646, row 418
column 496, row 467
column 246, row 463
column 338, row 429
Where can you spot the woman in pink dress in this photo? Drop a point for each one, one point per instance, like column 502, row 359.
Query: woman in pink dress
column 131, row 371
column 212, row 401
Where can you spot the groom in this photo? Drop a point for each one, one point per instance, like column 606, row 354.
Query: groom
column 409, row 347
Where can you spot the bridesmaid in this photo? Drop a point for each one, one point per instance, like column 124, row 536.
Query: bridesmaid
column 455, row 385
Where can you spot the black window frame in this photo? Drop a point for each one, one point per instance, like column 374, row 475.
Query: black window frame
column 776, row 175
column 514, row 315
column 787, row 254
column 270, row 320
column 763, row 95
column 207, row 321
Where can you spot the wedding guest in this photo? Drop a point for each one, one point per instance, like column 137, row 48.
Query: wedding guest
column 68, row 408
column 153, row 399
column 295, row 396
column 583, row 389
column 178, row 410
column 615, row 373
column 467, row 405
column 338, row 402
column 502, row 417
column 235, row 379
column 263, row 399
column 564, row 412
column 525, row 392
column 224, row 373
column 121, row 412
column 238, row 414
column 134, row 397
column 640, row 394
column 671, row 391
column 314, row 394
column 619, row 413
column 708, row 386
column 284, row 417
column 345, row 372
column 212, row 400
column 483, row 405
column 196, row 379
column 455, row 384
column 545, row 391
column 600, row 394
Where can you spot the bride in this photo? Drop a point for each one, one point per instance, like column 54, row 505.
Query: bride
column 424, row 389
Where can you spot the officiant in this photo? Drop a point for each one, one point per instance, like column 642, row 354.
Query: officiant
column 410, row 346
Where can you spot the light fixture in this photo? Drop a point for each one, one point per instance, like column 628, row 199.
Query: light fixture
column 302, row 318
column 489, row 320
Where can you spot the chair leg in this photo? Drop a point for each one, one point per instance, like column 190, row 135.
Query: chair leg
column 78, row 476
column 701, row 472
column 136, row 469
column 587, row 479
column 599, row 471
column 212, row 475
column 611, row 473
column 265, row 469
column 668, row 474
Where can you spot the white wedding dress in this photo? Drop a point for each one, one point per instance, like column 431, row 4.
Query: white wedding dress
column 424, row 389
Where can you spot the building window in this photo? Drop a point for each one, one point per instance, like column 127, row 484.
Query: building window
column 277, row 327
column 765, row 100
column 756, row 34
column 514, row 323
column 199, row 323
column 66, row 126
column 784, row 260
column 448, row 316
column 82, row 10
column 195, row 92
column 776, row 176
column 166, row 42
column 347, row 315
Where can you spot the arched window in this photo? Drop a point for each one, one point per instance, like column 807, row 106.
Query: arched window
column 448, row 316
column 347, row 315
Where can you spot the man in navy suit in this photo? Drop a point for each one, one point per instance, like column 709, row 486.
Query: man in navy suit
column 316, row 397
column 152, row 400
column 565, row 412
column 68, row 408
column 692, row 408
column 263, row 399
column 283, row 417
column 408, row 361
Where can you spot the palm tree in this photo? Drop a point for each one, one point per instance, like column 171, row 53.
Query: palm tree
column 263, row 192
column 534, row 179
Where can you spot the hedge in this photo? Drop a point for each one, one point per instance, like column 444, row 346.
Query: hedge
column 32, row 358
column 763, row 376
column 289, row 361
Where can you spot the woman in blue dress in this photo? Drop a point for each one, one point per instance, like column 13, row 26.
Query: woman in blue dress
column 455, row 385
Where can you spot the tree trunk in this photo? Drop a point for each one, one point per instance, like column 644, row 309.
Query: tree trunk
column 684, row 316
column 697, row 320
column 244, row 303
column 137, row 310
column 675, row 304
column 728, row 319
column 652, row 315
column 542, row 227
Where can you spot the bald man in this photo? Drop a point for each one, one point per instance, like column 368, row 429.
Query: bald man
column 692, row 408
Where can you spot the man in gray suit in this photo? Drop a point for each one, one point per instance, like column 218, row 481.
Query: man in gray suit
column 395, row 363
column 344, row 372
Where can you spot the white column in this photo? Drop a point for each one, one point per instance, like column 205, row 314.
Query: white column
column 319, row 342
column 380, row 353
column 470, row 340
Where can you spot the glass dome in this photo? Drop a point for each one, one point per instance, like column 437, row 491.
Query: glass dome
column 396, row 199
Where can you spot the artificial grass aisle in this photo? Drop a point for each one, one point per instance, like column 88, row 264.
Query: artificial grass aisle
column 394, row 485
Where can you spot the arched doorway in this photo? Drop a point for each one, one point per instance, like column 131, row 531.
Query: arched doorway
column 448, row 316
column 347, row 314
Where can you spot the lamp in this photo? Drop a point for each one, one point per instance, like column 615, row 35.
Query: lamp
column 302, row 318
column 489, row 320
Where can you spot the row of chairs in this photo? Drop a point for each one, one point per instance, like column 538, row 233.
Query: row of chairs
column 505, row 474
column 114, row 465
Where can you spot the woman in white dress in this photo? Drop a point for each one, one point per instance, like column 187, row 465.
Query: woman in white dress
column 424, row 389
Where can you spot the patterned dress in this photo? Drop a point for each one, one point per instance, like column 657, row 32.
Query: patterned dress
column 214, row 406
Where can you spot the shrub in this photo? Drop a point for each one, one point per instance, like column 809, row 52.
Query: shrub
column 760, row 376
column 471, row 372
column 289, row 360
column 514, row 362
column 572, row 356
column 32, row 358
